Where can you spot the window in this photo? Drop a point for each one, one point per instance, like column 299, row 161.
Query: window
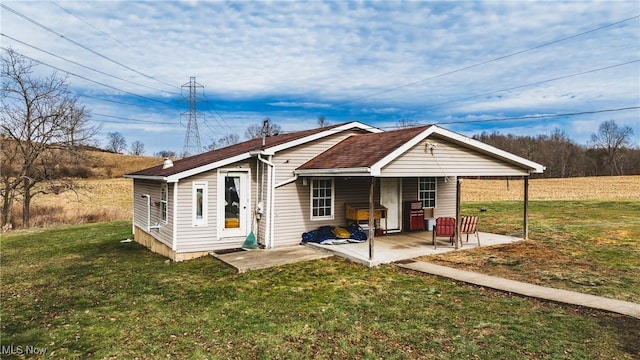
column 164, row 195
column 427, row 191
column 321, row 199
column 200, row 204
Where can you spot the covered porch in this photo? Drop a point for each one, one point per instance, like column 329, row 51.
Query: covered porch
column 408, row 245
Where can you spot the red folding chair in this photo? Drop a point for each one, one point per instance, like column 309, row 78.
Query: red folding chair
column 445, row 227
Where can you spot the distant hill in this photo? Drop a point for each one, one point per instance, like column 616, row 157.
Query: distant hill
column 109, row 165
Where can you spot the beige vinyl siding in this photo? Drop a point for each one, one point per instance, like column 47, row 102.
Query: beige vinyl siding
column 152, row 188
column 293, row 213
column 448, row 159
column 288, row 160
column 205, row 238
column 445, row 194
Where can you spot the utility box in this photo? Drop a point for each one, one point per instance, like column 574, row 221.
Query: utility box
column 413, row 216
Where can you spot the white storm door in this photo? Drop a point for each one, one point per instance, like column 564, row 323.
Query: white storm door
column 233, row 192
column 390, row 198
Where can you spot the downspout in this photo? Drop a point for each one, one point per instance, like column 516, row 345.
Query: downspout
column 175, row 216
column 149, row 227
column 148, row 210
column 269, row 210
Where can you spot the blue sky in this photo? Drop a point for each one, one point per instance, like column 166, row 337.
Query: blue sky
column 458, row 64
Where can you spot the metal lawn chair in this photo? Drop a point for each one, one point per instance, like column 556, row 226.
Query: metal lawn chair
column 445, row 227
column 469, row 225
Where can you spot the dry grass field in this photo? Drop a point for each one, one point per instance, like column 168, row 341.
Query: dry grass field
column 109, row 165
column 605, row 188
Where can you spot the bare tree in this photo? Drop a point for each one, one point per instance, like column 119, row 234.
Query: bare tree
column 322, row 122
column 166, row 154
column 116, row 142
column 267, row 128
column 228, row 139
column 43, row 126
column 137, row 148
column 612, row 140
column 406, row 123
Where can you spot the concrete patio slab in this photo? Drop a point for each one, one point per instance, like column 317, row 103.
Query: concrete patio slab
column 407, row 245
column 244, row 260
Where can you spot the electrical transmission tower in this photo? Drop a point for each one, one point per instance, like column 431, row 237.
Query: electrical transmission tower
column 192, row 144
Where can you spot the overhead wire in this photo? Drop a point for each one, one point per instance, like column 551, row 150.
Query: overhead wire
column 530, row 84
column 81, row 45
column 94, row 27
column 84, row 66
column 532, row 117
column 90, row 80
column 486, row 61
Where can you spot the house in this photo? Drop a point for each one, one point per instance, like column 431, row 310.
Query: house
column 281, row 186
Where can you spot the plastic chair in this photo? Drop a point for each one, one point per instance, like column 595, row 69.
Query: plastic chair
column 469, row 225
column 445, row 227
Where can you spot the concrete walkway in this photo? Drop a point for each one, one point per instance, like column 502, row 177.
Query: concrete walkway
column 541, row 292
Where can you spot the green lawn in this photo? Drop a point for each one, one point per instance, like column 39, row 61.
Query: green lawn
column 79, row 292
column 587, row 246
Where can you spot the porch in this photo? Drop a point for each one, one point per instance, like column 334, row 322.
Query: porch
column 408, row 245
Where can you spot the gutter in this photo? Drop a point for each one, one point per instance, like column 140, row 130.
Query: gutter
column 359, row 171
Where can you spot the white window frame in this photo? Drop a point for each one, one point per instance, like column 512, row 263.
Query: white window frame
column 164, row 197
column 200, row 185
column 434, row 191
column 332, row 198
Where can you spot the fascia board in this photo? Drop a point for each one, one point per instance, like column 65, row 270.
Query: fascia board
column 208, row 167
column 146, row 177
column 361, row 171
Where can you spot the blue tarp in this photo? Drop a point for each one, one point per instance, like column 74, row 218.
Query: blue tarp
column 325, row 235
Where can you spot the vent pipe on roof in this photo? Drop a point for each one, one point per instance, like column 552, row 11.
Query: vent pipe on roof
column 167, row 163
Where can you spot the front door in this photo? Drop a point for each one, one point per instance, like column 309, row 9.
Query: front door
column 234, row 196
column 390, row 198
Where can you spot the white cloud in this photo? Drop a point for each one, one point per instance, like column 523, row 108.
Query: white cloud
column 310, row 55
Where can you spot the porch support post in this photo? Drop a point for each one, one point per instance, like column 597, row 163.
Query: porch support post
column 526, row 208
column 372, row 230
column 457, row 232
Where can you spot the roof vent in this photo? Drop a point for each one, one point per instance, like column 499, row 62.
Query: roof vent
column 167, row 163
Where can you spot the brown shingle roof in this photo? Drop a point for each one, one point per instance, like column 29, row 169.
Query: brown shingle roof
column 361, row 151
column 196, row 161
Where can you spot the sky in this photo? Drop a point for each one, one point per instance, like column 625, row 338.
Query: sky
column 513, row 67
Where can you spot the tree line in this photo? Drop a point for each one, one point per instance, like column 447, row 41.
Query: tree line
column 610, row 151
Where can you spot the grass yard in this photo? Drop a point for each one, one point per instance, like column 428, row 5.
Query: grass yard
column 78, row 292
column 590, row 246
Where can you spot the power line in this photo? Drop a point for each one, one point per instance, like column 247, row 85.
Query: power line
column 80, row 45
column 533, row 117
column 84, row 66
column 91, row 25
column 487, row 61
column 533, row 83
column 87, row 79
column 129, row 120
column 121, row 102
